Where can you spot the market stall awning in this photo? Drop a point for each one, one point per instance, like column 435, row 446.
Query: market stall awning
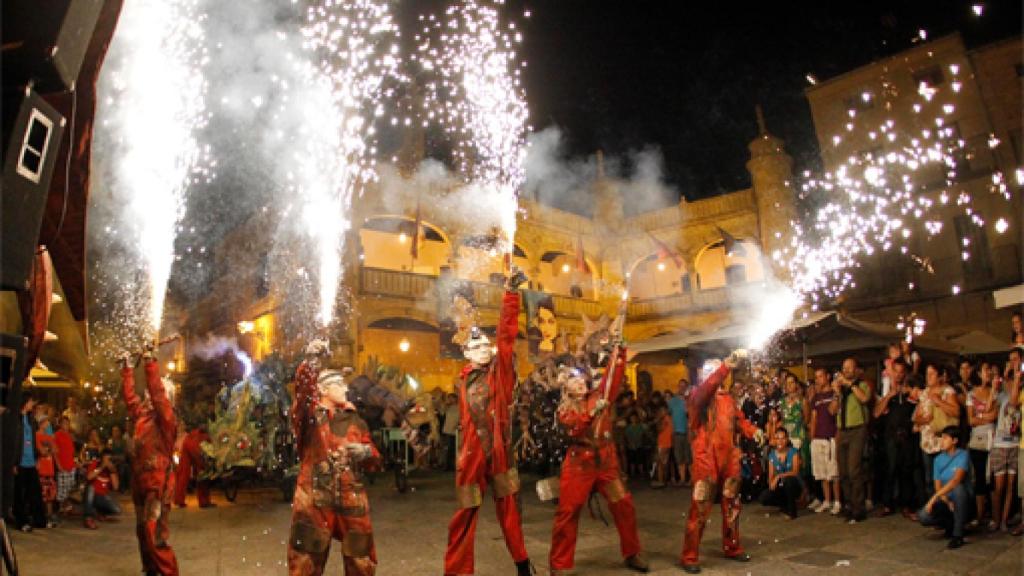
column 1012, row 296
column 730, row 335
column 978, row 342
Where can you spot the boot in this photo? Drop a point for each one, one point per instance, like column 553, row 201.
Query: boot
column 638, row 563
column 525, row 568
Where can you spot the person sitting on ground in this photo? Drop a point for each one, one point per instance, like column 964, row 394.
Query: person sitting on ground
column 947, row 508
column 784, row 486
column 101, row 478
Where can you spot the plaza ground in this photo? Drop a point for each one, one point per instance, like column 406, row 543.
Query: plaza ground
column 249, row 537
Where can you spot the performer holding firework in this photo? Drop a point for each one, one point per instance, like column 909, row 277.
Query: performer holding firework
column 330, row 501
column 156, row 429
column 592, row 462
column 485, row 457
column 715, row 419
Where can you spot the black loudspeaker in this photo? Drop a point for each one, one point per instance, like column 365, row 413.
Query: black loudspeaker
column 45, row 41
column 12, row 370
column 32, row 131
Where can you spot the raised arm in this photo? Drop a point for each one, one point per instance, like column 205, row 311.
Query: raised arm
column 614, row 375
column 161, row 403
column 306, row 398
column 705, row 391
column 508, row 328
column 131, row 399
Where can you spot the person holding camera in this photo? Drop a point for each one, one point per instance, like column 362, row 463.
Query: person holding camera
column 1003, row 458
column 850, row 407
column 100, row 478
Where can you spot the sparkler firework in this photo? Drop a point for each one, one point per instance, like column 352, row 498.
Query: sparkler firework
column 354, row 52
column 155, row 105
column 474, row 91
column 881, row 200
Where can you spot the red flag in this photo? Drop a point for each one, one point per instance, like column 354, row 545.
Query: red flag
column 414, row 249
column 581, row 261
column 665, row 252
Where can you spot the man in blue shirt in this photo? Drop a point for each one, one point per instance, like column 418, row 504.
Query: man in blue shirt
column 28, row 493
column 948, row 506
column 680, row 439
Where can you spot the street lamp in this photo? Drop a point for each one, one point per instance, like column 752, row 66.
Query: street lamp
column 246, row 326
column 403, row 345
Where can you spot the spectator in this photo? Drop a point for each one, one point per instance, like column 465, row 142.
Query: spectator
column 936, row 409
column 45, row 463
column 664, row 445
column 795, row 415
column 77, row 417
column 784, row 486
column 824, row 463
column 101, row 478
column 65, row 444
column 887, row 371
column 896, row 411
column 947, row 507
column 92, row 447
column 1017, row 329
column 1003, row 457
column 680, row 437
column 118, row 445
column 28, row 494
column 635, row 439
column 850, row 407
column 450, row 428
column 982, row 409
column 911, row 357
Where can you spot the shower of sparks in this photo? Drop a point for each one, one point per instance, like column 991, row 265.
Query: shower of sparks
column 475, row 92
column 155, row 108
column 354, row 53
column 912, row 326
column 881, row 200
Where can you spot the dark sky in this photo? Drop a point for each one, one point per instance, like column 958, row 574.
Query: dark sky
column 685, row 76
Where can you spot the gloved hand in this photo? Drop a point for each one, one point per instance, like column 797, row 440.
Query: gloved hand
column 318, row 347
column 124, row 360
column 759, row 437
column 515, row 279
column 149, row 352
column 357, row 452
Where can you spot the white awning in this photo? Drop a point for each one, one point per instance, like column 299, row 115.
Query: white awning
column 1012, row 296
column 725, row 333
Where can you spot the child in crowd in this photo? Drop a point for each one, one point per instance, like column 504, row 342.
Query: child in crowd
column 664, row 445
column 636, row 458
column 65, row 456
column 45, row 465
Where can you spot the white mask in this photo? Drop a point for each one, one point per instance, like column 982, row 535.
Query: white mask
column 709, row 368
column 478, row 349
column 333, row 387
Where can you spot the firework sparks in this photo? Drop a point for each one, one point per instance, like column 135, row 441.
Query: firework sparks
column 475, row 92
column 354, row 53
column 155, row 108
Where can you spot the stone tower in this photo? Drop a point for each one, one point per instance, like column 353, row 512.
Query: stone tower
column 771, row 171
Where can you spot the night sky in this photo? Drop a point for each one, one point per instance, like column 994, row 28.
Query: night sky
column 685, row 76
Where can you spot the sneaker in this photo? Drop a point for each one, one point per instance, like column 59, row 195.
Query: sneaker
column 51, row 524
column 814, row 505
column 837, row 508
column 691, row 568
column 823, row 507
column 955, row 543
column 856, row 519
column 638, row 563
column 90, row 523
column 26, row 528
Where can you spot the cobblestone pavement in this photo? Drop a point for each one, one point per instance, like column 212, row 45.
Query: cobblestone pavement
column 248, row 538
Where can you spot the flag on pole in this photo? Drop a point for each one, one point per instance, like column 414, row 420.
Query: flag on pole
column 581, row 261
column 665, row 252
column 732, row 247
column 414, row 249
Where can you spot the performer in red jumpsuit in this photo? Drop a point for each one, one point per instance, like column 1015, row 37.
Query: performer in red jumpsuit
column 714, row 421
column 485, row 456
column 591, row 463
column 191, row 459
column 156, row 428
column 330, row 500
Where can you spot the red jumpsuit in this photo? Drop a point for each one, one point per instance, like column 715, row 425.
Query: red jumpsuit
column 191, row 458
column 485, row 456
column 330, row 499
column 156, row 428
column 714, row 418
column 592, row 462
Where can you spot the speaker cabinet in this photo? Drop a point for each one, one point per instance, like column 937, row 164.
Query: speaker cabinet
column 31, row 142
column 44, row 41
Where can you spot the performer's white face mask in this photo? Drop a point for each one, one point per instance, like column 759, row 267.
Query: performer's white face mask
column 333, row 387
column 478, row 350
column 709, row 368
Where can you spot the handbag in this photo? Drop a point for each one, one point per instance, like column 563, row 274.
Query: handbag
column 981, row 438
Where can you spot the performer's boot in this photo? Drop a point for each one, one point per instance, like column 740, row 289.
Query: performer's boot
column 525, row 568
column 638, row 563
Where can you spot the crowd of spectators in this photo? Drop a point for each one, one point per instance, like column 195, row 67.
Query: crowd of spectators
column 65, row 468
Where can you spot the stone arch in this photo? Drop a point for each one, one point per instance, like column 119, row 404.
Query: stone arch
column 714, row 268
column 653, row 276
column 385, row 243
